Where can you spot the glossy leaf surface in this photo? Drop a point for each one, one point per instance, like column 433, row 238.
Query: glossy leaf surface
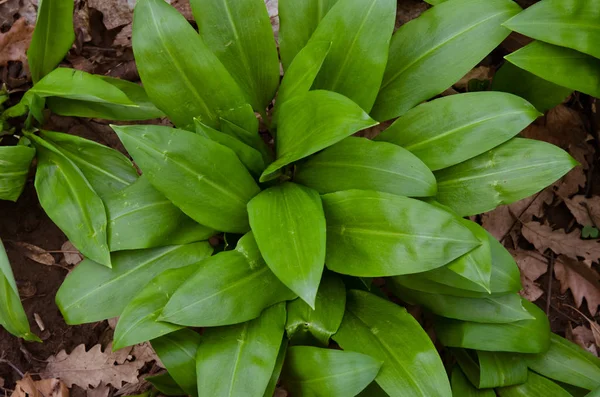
column 270, row 390
column 385, row 331
column 52, row 37
column 461, row 387
column 358, row 163
column 166, row 45
column 189, row 169
column 492, row 369
column 288, row 224
column 141, row 217
column 536, row 385
column 224, row 290
column 165, row 384
column 14, row 168
column 71, row 202
column 503, row 175
column 239, row 33
column 92, row 292
column 313, row 121
column 452, row 129
column 312, row 371
column 432, row 52
column 373, row 234
column 562, row 66
column 238, row 360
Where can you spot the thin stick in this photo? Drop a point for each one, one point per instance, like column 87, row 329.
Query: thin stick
column 17, row 370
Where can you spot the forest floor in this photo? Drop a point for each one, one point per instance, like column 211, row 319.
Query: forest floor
column 552, row 235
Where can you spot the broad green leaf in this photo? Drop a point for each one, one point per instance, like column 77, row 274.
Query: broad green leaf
column 239, row 33
column 313, row 121
column 249, row 137
column 141, row 217
column 145, row 109
column 224, row 290
column 360, row 33
column 492, row 369
column 189, row 169
column 250, row 157
column 298, row 21
column 288, row 224
column 374, row 234
column 180, row 73
column 165, row 384
column 541, row 93
column 14, row 168
column 304, row 325
column 177, row 351
column 358, row 163
column 70, row 201
column 238, row 360
column 12, row 314
column 452, row 129
column 568, row 363
column 387, row 332
column 535, row 386
column 594, row 393
column 503, row 175
column 52, row 37
column 92, row 292
column 567, row 23
column 562, row 66
column 107, row 170
column 137, row 323
column 525, row 336
column 315, row 372
column 270, row 390
column 461, row 387
column 491, row 309
column 432, row 52
column 243, row 117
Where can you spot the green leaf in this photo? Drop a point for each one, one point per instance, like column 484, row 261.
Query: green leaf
column 562, row 66
column 249, row 137
column 387, row 332
column 189, row 169
column 14, row 168
column 137, row 323
column 305, row 326
column 52, row 37
column 167, row 48
column 491, row 369
column 243, row 117
column 239, row 33
column 535, row 386
column 541, row 93
column 140, row 207
column 144, row 110
column 461, row 387
column 360, row 33
column 567, row 23
column 12, row 314
column 452, row 129
column 411, row 236
column 177, row 351
column 298, row 21
column 316, row 372
column 270, row 390
column 289, row 226
column 70, row 201
column 238, row 360
column 568, row 363
column 358, row 163
column 594, row 393
column 508, row 173
column 224, row 290
column 525, row 336
column 92, row 292
column 313, row 121
column 107, row 170
column 165, row 384
column 432, row 52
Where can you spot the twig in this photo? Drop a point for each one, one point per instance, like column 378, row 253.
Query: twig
column 17, row 370
column 549, row 285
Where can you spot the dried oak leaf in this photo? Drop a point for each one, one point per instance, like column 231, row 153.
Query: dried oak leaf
column 584, row 337
column 585, row 210
column 72, row 254
column 90, row 368
column 35, row 253
column 571, row 244
column 27, row 387
column 14, row 43
column 581, row 279
column 532, row 265
column 101, row 391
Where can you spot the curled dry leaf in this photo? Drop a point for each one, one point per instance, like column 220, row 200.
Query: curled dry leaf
column 27, row 387
column 571, row 244
column 35, row 253
column 581, row 279
column 14, row 43
column 584, row 337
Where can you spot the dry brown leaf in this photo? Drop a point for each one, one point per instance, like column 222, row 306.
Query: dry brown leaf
column 35, row 253
column 8, row 10
column 532, row 265
column 273, row 10
column 584, row 337
column 27, row 387
column 72, row 255
column 571, row 183
column 81, row 20
column 571, row 245
column 101, row 391
column 582, row 280
column 14, row 43
column 582, row 207
column 115, row 13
